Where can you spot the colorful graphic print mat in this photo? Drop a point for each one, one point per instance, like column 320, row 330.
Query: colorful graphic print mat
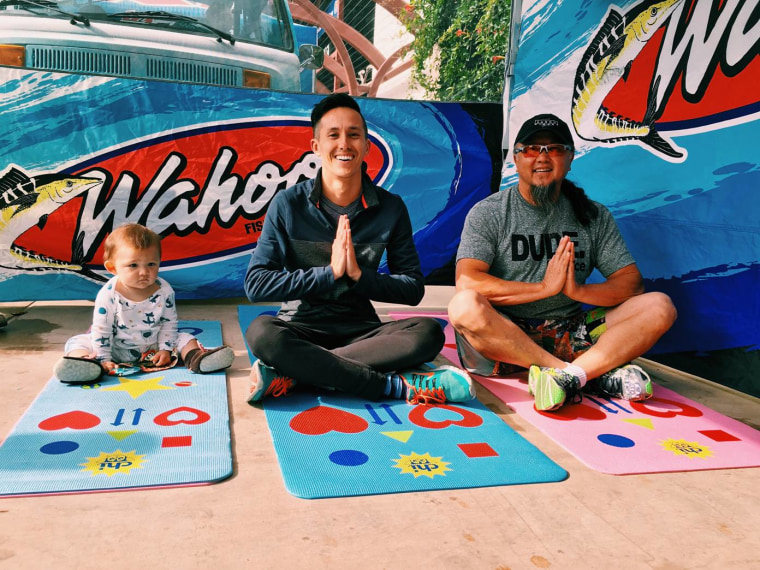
column 167, row 428
column 665, row 433
column 335, row 445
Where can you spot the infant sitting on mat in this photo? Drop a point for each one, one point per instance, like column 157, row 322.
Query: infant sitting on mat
column 134, row 324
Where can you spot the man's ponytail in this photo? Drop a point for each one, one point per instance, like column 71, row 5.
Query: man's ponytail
column 585, row 210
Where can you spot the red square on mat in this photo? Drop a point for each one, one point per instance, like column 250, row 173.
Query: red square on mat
column 719, row 435
column 177, row 441
column 477, row 450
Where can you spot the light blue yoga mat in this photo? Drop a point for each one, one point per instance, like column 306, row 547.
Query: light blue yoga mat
column 160, row 429
column 330, row 444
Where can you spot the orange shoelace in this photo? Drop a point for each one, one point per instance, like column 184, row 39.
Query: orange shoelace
column 279, row 386
column 423, row 390
column 426, row 396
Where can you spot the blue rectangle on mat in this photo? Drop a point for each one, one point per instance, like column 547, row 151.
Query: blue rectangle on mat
column 334, row 445
column 167, row 428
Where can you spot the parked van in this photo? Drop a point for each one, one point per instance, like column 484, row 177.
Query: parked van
column 242, row 43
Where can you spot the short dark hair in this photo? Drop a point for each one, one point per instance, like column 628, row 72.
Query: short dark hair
column 334, row 101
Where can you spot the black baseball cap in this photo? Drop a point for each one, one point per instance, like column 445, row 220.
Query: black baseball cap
column 546, row 122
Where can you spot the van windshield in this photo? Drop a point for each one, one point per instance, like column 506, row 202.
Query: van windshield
column 264, row 22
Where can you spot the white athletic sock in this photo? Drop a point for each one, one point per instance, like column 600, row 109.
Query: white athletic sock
column 576, row 371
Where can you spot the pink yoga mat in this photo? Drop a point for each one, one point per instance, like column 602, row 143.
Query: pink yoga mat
column 665, row 433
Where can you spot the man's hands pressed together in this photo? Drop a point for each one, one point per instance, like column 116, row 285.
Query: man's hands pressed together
column 343, row 259
column 559, row 268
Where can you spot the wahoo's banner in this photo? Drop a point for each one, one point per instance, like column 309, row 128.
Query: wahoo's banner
column 662, row 100
column 199, row 165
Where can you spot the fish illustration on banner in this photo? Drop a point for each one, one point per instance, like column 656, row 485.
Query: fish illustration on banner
column 607, row 60
column 28, row 201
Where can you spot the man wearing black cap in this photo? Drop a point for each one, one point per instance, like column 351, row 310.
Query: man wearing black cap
column 521, row 273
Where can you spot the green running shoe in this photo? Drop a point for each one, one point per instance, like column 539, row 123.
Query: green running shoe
column 551, row 387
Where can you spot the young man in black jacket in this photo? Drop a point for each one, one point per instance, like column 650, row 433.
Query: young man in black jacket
column 318, row 254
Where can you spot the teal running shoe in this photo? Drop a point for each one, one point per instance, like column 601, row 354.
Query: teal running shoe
column 266, row 381
column 437, row 385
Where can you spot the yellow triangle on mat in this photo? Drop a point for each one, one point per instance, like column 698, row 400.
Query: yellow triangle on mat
column 120, row 435
column 402, row 436
column 643, row 422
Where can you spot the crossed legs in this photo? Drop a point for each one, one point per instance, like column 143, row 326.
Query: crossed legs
column 632, row 328
column 351, row 361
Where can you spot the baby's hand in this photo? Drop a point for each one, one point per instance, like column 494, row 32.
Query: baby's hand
column 108, row 365
column 162, row 358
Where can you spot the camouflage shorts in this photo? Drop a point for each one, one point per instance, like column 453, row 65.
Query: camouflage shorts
column 566, row 339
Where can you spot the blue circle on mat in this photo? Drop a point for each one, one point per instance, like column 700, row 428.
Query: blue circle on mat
column 349, row 457
column 59, row 447
column 615, row 440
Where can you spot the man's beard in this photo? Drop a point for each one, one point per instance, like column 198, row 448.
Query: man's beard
column 544, row 197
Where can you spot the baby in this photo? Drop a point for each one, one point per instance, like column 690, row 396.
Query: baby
column 134, row 314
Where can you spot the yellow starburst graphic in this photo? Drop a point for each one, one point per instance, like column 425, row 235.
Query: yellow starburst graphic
column 114, row 462
column 688, row 448
column 424, row 464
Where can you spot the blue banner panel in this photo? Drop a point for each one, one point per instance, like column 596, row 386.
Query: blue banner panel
column 661, row 97
column 199, row 165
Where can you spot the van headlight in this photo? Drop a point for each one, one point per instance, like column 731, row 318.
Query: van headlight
column 12, row 55
column 257, row 79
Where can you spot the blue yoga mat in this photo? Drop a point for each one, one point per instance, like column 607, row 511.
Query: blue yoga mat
column 160, row 429
column 335, row 445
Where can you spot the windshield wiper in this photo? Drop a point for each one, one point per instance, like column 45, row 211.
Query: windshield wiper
column 176, row 17
column 47, row 5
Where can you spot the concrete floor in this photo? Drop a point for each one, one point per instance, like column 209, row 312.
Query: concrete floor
column 699, row 519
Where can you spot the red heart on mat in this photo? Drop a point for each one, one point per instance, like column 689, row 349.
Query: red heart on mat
column 322, row 419
column 74, row 420
column 182, row 415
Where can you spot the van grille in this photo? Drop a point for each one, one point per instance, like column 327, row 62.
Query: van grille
column 79, row 61
column 74, row 60
column 192, row 72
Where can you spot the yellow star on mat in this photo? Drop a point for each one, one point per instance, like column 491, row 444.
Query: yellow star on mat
column 137, row 388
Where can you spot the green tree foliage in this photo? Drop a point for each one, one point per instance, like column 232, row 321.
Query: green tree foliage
column 459, row 47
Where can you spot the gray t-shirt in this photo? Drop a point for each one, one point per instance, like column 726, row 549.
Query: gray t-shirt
column 517, row 240
column 335, row 211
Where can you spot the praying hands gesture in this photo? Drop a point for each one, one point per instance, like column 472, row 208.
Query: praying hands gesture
column 343, row 260
column 560, row 272
column 560, row 277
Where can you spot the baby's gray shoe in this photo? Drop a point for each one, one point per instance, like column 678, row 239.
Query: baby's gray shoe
column 203, row 361
column 76, row 370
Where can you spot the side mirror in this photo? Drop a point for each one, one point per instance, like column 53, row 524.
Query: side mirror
column 311, row 56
